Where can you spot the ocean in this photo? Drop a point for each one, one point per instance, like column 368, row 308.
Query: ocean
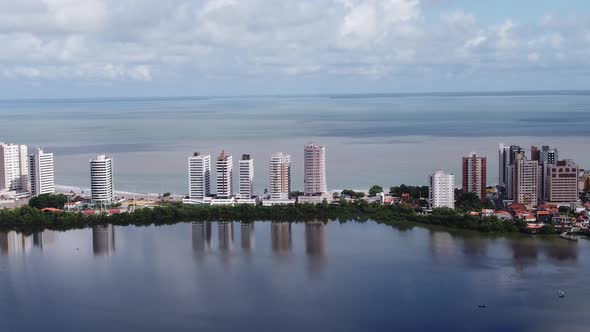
column 385, row 139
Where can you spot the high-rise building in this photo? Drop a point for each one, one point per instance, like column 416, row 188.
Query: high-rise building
column 475, row 175
column 314, row 170
column 246, row 177
column 526, row 180
column 441, row 190
column 41, row 173
column 280, row 176
column 101, row 180
column 199, row 176
column 515, row 152
column 562, row 181
column 547, row 157
column 224, row 169
column 503, row 158
column 14, row 167
column 535, row 153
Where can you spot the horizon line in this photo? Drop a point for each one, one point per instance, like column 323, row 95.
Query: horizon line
column 457, row 93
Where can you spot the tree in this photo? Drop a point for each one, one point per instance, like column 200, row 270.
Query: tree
column 167, row 194
column 48, row 201
column 469, row 202
column 375, row 189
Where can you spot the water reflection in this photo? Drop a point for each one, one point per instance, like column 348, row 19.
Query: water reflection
column 225, row 232
column 14, row 243
column 315, row 246
column 525, row 253
column 441, row 245
column 561, row 250
column 201, row 235
column 103, row 240
column 280, row 234
column 247, row 236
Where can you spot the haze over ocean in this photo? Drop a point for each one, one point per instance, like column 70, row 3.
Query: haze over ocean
column 386, row 139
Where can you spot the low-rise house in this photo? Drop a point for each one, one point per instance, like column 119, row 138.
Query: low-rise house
column 504, row 215
column 527, row 217
column 543, row 216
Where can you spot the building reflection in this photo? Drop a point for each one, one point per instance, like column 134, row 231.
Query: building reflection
column 42, row 239
column 247, row 236
column 474, row 249
column 201, row 235
column 15, row 243
column 525, row 253
column 103, row 240
column 280, row 235
column 225, row 232
column 561, row 250
column 441, row 245
column 315, row 246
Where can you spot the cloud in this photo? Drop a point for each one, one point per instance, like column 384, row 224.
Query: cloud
column 150, row 40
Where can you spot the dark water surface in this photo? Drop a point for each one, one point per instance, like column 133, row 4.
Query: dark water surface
column 290, row 277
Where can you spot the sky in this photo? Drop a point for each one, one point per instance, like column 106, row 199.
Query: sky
column 118, row 48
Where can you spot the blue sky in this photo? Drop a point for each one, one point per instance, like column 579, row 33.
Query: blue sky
column 113, row 48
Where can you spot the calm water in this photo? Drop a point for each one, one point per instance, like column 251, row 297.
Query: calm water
column 383, row 139
column 290, row 277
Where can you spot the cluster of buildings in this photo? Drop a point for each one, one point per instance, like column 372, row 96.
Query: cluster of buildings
column 200, row 169
column 23, row 174
column 528, row 186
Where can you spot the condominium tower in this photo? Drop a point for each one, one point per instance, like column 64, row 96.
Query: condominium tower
column 41, row 173
column 199, row 176
column 314, row 170
column 224, row 168
column 475, row 175
column 526, row 181
column 280, row 176
column 441, row 190
column 14, row 167
column 246, row 177
column 101, row 180
column 562, row 181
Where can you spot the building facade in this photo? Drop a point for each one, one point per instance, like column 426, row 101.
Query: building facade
column 441, row 190
column 474, row 175
column 199, row 176
column 41, row 172
column 562, row 181
column 224, row 171
column 246, row 177
column 101, row 180
column 526, row 181
column 280, row 176
column 314, row 170
column 14, row 168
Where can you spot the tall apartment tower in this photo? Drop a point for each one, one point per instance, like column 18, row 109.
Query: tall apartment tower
column 280, row 176
column 441, row 190
column 199, row 176
column 503, row 158
column 475, row 175
column 224, row 169
column 14, row 167
column 41, row 173
column 246, row 177
column 511, row 154
column 314, row 170
column 101, row 180
column 562, row 182
column 547, row 157
column 526, row 181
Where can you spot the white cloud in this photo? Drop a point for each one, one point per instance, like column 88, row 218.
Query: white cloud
column 140, row 40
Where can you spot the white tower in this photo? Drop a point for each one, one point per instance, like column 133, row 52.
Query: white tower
column 101, row 180
column 441, row 191
column 199, row 176
column 246, row 177
column 14, row 167
column 41, row 173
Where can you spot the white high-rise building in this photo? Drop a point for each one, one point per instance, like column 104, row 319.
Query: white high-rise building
column 199, row 176
column 315, row 170
column 224, row 169
column 101, row 180
column 441, row 190
column 41, row 173
column 246, row 177
column 280, row 176
column 14, row 167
